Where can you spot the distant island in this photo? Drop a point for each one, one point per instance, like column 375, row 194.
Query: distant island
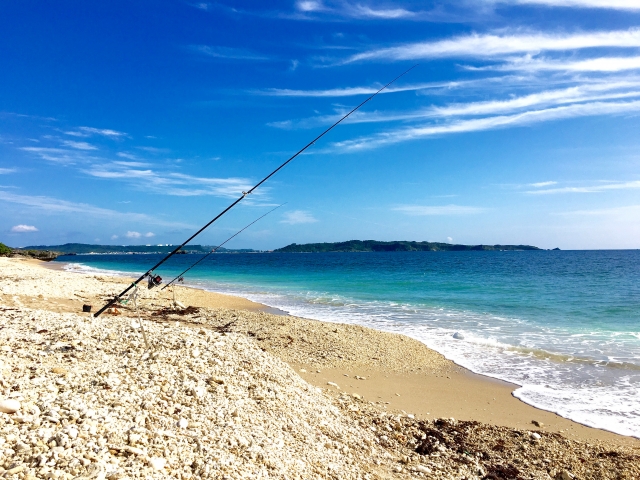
column 395, row 246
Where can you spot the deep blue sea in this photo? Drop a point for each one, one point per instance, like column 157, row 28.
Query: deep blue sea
column 564, row 325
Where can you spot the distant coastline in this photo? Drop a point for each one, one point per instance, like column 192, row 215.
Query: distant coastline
column 89, row 249
column 53, row 251
column 394, row 246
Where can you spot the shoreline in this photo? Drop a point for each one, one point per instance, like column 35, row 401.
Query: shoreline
column 492, row 400
column 159, row 390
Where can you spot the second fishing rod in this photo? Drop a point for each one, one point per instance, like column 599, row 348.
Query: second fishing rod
column 180, row 275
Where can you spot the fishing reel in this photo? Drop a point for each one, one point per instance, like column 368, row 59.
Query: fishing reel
column 153, row 281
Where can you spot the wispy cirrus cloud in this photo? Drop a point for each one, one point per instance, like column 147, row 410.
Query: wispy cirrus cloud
column 228, row 53
column 492, row 45
column 6, row 171
column 367, row 11
column 578, row 94
column 605, row 4
column 54, row 205
column 296, row 217
column 488, row 123
column 351, row 91
column 79, row 145
column 542, row 184
column 357, row 10
column 596, row 188
column 428, row 210
column 168, row 183
column 89, row 131
column 142, row 174
column 599, row 64
column 64, row 156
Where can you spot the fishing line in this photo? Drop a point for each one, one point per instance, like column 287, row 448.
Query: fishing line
column 216, row 248
column 154, row 280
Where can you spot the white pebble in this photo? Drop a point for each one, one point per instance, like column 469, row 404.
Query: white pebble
column 157, row 463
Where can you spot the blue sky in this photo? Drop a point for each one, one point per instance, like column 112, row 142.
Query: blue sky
column 137, row 122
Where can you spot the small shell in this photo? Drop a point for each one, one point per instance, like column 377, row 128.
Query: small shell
column 9, row 406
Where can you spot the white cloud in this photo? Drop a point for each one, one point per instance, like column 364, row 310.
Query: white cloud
column 351, row 91
column 489, row 123
column 424, row 210
column 59, row 155
column 169, row 183
column 149, row 234
column 491, row 45
column 354, row 10
column 88, row 131
column 103, row 131
column 602, row 187
column 127, row 155
column 605, row 90
column 599, row 64
column 542, row 184
column 133, row 235
column 227, row 52
column 365, row 11
column 114, row 237
column 310, row 6
column 6, row 171
column 449, row 240
column 79, row 145
column 610, row 4
column 54, row 205
column 23, row 229
column 298, row 216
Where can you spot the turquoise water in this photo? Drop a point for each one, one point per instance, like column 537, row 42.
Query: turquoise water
column 564, row 325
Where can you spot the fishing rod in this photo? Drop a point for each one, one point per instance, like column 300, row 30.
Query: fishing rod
column 155, row 280
column 216, row 248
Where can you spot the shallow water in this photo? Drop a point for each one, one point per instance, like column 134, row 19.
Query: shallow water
column 565, row 325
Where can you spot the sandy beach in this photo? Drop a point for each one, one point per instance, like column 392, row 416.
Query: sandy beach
column 381, row 396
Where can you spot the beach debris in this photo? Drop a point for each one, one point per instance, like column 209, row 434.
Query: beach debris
column 537, row 423
column 357, row 377
column 535, row 436
column 9, row 406
column 565, row 475
column 303, row 370
column 333, row 384
column 458, row 336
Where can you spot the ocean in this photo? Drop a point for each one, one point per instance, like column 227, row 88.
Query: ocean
column 563, row 325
